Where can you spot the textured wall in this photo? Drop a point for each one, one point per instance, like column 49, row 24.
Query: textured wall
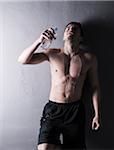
column 25, row 88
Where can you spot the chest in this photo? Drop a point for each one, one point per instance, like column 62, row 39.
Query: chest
column 62, row 65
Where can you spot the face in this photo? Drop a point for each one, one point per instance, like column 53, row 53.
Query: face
column 72, row 31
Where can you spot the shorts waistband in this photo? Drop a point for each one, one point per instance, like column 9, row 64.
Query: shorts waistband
column 69, row 103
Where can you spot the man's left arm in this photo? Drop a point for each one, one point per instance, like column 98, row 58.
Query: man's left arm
column 94, row 81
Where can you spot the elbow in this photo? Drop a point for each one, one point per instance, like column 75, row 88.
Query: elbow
column 95, row 88
column 22, row 61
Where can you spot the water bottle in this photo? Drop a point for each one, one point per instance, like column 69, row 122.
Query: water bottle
column 47, row 43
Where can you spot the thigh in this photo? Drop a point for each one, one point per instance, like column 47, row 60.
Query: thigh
column 74, row 133
column 49, row 131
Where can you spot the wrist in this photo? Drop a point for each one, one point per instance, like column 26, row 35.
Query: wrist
column 38, row 41
column 96, row 115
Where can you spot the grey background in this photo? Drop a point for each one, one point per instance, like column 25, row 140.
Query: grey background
column 25, row 88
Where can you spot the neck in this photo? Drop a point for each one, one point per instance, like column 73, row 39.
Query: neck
column 70, row 48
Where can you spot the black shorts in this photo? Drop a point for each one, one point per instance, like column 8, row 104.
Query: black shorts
column 67, row 119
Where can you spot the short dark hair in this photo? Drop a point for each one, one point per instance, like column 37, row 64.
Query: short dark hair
column 79, row 25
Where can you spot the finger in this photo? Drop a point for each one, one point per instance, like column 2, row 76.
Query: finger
column 51, row 33
column 51, row 29
column 96, row 128
column 48, row 34
column 93, row 125
column 45, row 37
column 48, row 37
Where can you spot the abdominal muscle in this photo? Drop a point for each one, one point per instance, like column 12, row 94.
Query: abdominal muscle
column 65, row 89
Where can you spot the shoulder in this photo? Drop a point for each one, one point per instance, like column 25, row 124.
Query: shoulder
column 91, row 57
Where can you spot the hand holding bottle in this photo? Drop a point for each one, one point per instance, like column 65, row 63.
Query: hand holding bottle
column 46, row 37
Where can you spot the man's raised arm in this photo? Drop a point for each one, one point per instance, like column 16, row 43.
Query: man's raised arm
column 29, row 57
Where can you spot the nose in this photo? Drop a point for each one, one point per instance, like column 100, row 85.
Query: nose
column 71, row 29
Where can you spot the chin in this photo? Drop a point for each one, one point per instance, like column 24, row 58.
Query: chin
column 69, row 38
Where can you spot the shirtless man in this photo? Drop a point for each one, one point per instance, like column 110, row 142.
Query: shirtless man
column 64, row 112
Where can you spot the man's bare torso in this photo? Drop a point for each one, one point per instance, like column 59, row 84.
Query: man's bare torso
column 67, row 78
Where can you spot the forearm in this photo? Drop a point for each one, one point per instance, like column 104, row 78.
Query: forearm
column 28, row 52
column 96, row 102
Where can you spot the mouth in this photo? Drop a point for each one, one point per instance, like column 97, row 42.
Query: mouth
column 70, row 33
